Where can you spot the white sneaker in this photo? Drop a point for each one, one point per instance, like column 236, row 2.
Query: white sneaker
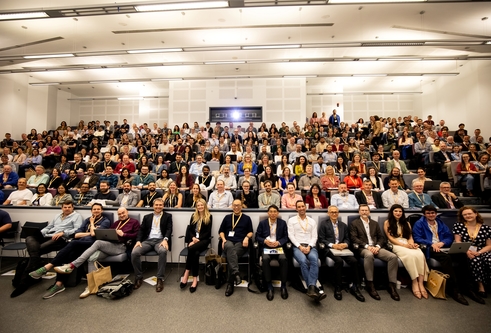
column 86, row 293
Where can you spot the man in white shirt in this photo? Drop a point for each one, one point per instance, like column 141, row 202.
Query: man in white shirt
column 22, row 196
column 220, row 198
column 302, row 231
column 395, row 196
column 234, row 151
column 344, row 200
column 197, row 168
column 164, row 146
column 228, row 179
column 268, row 197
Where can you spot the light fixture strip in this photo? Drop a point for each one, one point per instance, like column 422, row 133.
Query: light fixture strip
column 20, row 16
column 154, row 51
column 182, row 6
column 44, row 56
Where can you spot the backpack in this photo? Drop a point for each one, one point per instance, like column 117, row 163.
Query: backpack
column 210, row 272
column 116, row 289
column 258, row 278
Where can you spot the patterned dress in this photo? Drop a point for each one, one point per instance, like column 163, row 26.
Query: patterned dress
column 480, row 265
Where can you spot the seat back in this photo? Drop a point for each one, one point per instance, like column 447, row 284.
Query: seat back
column 28, row 224
column 12, row 232
column 109, row 216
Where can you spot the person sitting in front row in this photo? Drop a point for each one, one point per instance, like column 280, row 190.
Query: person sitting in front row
column 272, row 233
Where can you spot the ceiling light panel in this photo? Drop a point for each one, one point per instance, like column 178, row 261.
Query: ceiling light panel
column 182, row 6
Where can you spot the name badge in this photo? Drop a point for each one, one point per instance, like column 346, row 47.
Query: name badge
column 231, row 233
column 197, row 234
column 473, row 248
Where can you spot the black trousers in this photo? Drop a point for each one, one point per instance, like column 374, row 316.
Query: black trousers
column 192, row 260
column 37, row 246
column 283, row 267
column 338, row 268
column 457, row 281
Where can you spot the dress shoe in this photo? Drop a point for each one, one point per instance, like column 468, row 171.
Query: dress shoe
column 138, row 283
column 338, row 293
column 475, row 297
column 311, row 292
column 372, row 291
column 160, row 285
column 238, row 279
column 284, row 293
column 482, row 294
column 230, row 290
column 393, row 292
column 320, row 295
column 21, row 288
column 356, row 292
column 193, row 289
column 270, row 294
column 458, row 297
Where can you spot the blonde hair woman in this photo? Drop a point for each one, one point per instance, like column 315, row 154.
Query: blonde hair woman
column 172, row 198
column 198, row 238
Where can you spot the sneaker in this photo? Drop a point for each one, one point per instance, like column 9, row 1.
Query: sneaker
column 38, row 273
column 53, row 290
column 65, row 269
column 86, row 293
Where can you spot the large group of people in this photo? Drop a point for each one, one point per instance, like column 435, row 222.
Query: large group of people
column 326, row 165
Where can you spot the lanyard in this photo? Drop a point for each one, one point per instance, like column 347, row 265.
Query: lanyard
column 306, row 224
column 120, row 226
column 234, row 223
column 434, row 230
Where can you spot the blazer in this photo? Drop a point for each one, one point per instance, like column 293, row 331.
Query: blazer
column 423, row 235
column 439, row 158
column 326, row 232
column 359, row 236
column 263, row 231
column 146, row 227
column 132, row 200
column 440, row 201
column 391, row 165
column 93, row 180
column 204, row 233
column 12, row 179
column 377, row 198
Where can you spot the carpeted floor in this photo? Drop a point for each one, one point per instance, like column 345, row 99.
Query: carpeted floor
column 208, row 310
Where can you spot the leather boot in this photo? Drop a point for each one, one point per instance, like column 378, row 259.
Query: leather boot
column 372, row 291
column 393, row 291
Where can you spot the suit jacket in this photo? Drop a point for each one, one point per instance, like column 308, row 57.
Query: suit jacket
column 359, row 236
column 132, row 200
column 146, row 227
column 377, row 198
column 93, row 180
column 101, row 167
column 326, row 232
column 204, row 233
column 440, row 201
column 439, row 158
column 263, row 231
column 391, row 165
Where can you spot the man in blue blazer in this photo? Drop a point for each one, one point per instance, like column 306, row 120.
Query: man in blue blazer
column 334, row 235
column 272, row 233
column 154, row 235
column 431, row 231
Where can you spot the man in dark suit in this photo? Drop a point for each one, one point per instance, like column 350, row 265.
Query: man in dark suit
column 235, row 232
column 368, row 237
column 154, row 235
column 446, row 199
column 334, row 235
column 368, row 197
column 176, row 165
column 272, row 233
column 444, row 159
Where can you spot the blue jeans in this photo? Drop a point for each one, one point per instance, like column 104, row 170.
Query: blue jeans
column 469, row 180
column 308, row 265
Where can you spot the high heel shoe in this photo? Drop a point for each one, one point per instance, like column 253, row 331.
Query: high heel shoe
column 193, row 289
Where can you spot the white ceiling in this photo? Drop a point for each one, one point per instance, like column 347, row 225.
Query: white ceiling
column 458, row 29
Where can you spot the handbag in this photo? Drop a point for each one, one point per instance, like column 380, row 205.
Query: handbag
column 101, row 275
column 436, row 284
